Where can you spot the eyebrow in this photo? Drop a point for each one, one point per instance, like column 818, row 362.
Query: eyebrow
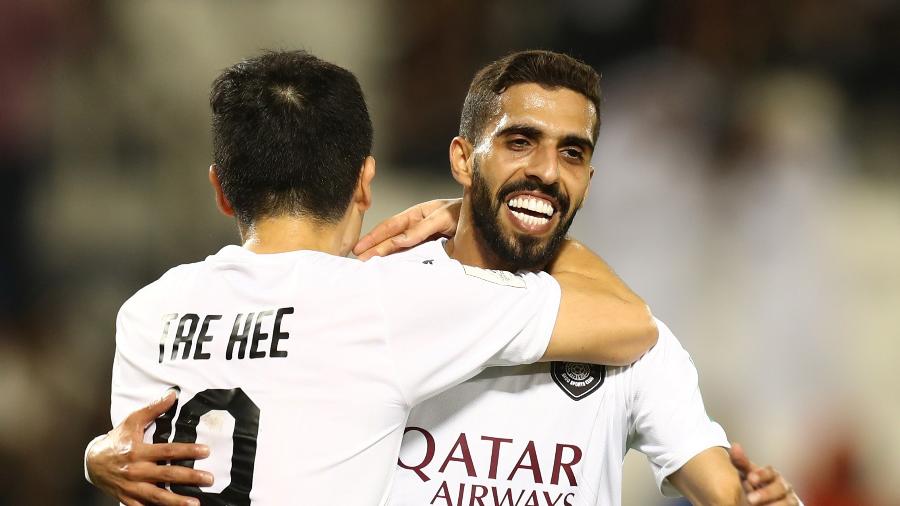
column 535, row 133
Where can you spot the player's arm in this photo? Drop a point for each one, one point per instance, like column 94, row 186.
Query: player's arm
column 686, row 448
column 709, row 479
column 120, row 464
column 600, row 319
column 715, row 477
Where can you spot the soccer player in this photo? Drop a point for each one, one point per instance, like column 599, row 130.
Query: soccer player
column 299, row 366
column 549, row 433
column 553, row 434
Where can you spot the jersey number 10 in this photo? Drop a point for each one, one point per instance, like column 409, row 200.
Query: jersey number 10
column 246, row 429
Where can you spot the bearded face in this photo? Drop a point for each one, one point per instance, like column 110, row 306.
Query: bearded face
column 517, row 248
column 530, row 171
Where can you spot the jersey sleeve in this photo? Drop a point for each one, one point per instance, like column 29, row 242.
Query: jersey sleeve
column 136, row 379
column 446, row 322
column 669, row 423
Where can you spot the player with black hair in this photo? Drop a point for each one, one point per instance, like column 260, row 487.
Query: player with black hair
column 299, row 366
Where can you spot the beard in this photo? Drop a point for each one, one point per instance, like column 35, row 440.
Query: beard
column 516, row 251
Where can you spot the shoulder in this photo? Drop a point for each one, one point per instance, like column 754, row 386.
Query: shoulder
column 163, row 287
column 667, row 339
column 428, row 264
column 425, row 260
column 667, row 367
column 427, row 253
column 666, row 350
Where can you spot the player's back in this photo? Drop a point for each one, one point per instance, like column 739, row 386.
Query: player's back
column 294, row 370
column 274, row 355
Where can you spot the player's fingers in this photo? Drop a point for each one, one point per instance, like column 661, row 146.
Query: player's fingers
column 739, row 459
column 420, row 211
column 762, row 476
column 791, row 500
column 381, row 249
column 154, row 495
column 436, row 223
column 773, row 492
column 127, row 501
column 184, row 476
column 382, row 232
column 171, row 451
column 153, row 473
column 399, row 223
column 144, row 416
column 746, row 486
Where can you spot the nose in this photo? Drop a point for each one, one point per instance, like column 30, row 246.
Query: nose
column 544, row 165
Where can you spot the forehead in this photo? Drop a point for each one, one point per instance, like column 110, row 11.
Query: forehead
column 556, row 111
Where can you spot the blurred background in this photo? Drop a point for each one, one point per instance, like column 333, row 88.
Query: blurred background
column 747, row 185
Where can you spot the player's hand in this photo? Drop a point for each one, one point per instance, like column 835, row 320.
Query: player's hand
column 125, row 467
column 763, row 485
column 410, row 228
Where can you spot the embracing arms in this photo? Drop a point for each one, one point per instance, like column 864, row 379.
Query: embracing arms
column 716, row 477
column 600, row 319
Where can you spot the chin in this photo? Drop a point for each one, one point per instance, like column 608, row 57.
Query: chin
column 524, row 252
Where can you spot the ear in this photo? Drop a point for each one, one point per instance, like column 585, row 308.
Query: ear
column 363, row 194
column 221, row 202
column 461, row 161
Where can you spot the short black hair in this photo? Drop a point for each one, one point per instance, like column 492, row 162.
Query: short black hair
column 290, row 135
column 546, row 68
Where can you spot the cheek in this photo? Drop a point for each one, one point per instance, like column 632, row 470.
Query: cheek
column 505, row 162
column 495, row 172
column 576, row 184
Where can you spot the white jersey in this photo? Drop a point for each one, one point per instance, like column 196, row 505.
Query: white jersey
column 552, row 434
column 299, row 369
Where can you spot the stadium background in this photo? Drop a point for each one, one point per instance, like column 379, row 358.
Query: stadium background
column 747, row 186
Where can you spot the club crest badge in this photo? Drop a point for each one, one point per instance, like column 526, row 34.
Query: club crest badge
column 577, row 380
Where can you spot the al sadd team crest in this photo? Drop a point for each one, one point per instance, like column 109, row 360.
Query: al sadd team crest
column 577, row 380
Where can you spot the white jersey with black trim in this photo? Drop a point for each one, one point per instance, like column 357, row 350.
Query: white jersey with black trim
column 552, row 434
column 299, row 369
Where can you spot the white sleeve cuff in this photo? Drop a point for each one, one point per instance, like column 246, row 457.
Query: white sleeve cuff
column 86, row 450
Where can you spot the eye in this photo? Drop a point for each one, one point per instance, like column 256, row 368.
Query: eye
column 518, row 143
column 574, row 154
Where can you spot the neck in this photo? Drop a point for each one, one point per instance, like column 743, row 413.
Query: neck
column 282, row 234
column 467, row 246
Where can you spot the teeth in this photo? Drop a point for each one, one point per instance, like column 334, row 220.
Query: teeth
column 530, row 220
column 532, row 204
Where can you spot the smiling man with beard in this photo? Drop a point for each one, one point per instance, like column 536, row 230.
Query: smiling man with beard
column 520, row 176
column 543, row 434
column 548, row 434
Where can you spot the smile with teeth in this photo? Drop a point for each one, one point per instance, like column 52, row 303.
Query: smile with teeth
column 531, row 210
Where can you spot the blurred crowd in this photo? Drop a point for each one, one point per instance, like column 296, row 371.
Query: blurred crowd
column 747, row 185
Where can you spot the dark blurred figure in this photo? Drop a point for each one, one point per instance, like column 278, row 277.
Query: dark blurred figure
column 27, row 39
column 34, row 34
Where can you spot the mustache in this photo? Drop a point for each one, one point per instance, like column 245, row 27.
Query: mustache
column 533, row 185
